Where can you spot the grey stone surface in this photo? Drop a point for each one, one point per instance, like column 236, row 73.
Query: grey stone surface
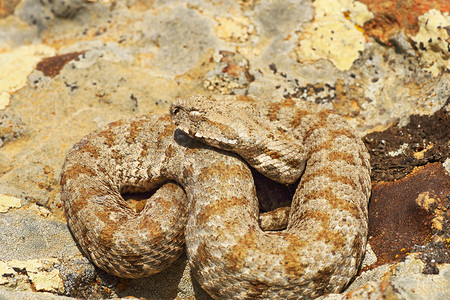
column 15, row 295
column 21, row 228
column 404, row 280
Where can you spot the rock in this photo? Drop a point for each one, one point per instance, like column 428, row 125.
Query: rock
column 20, row 295
column 43, row 247
column 7, row 202
column 404, row 280
column 70, row 67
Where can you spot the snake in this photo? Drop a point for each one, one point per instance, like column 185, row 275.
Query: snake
column 198, row 159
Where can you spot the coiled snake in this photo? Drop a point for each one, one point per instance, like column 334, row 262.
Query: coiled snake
column 229, row 254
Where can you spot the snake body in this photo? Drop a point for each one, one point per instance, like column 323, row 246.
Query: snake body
column 229, row 254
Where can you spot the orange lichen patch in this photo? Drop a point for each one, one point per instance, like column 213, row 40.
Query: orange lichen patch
column 51, row 66
column 231, row 72
column 382, row 27
column 234, row 67
column 394, row 15
column 7, row 7
column 400, row 216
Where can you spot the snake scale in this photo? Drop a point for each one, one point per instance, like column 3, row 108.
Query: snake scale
column 206, row 196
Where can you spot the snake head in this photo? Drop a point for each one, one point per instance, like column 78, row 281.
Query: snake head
column 225, row 124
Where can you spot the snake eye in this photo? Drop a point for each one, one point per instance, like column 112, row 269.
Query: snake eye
column 175, row 110
column 194, row 115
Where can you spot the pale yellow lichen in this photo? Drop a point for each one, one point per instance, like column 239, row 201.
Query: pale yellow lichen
column 446, row 165
column 421, row 154
column 425, row 200
column 7, row 202
column 41, row 274
column 16, row 65
column 335, row 33
column 433, row 41
column 4, row 100
column 47, row 281
column 235, row 29
column 5, row 272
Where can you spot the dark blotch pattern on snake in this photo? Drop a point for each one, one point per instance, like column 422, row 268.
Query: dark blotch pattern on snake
column 230, row 256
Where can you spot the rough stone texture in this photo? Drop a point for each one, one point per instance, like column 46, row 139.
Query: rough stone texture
column 16, row 295
column 134, row 57
column 35, row 225
column 403, row 280
column 392, row 17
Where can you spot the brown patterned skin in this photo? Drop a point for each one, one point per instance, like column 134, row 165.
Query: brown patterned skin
column 228, row 252
column 327, row 231
column 126, row 156
column 132, row 156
